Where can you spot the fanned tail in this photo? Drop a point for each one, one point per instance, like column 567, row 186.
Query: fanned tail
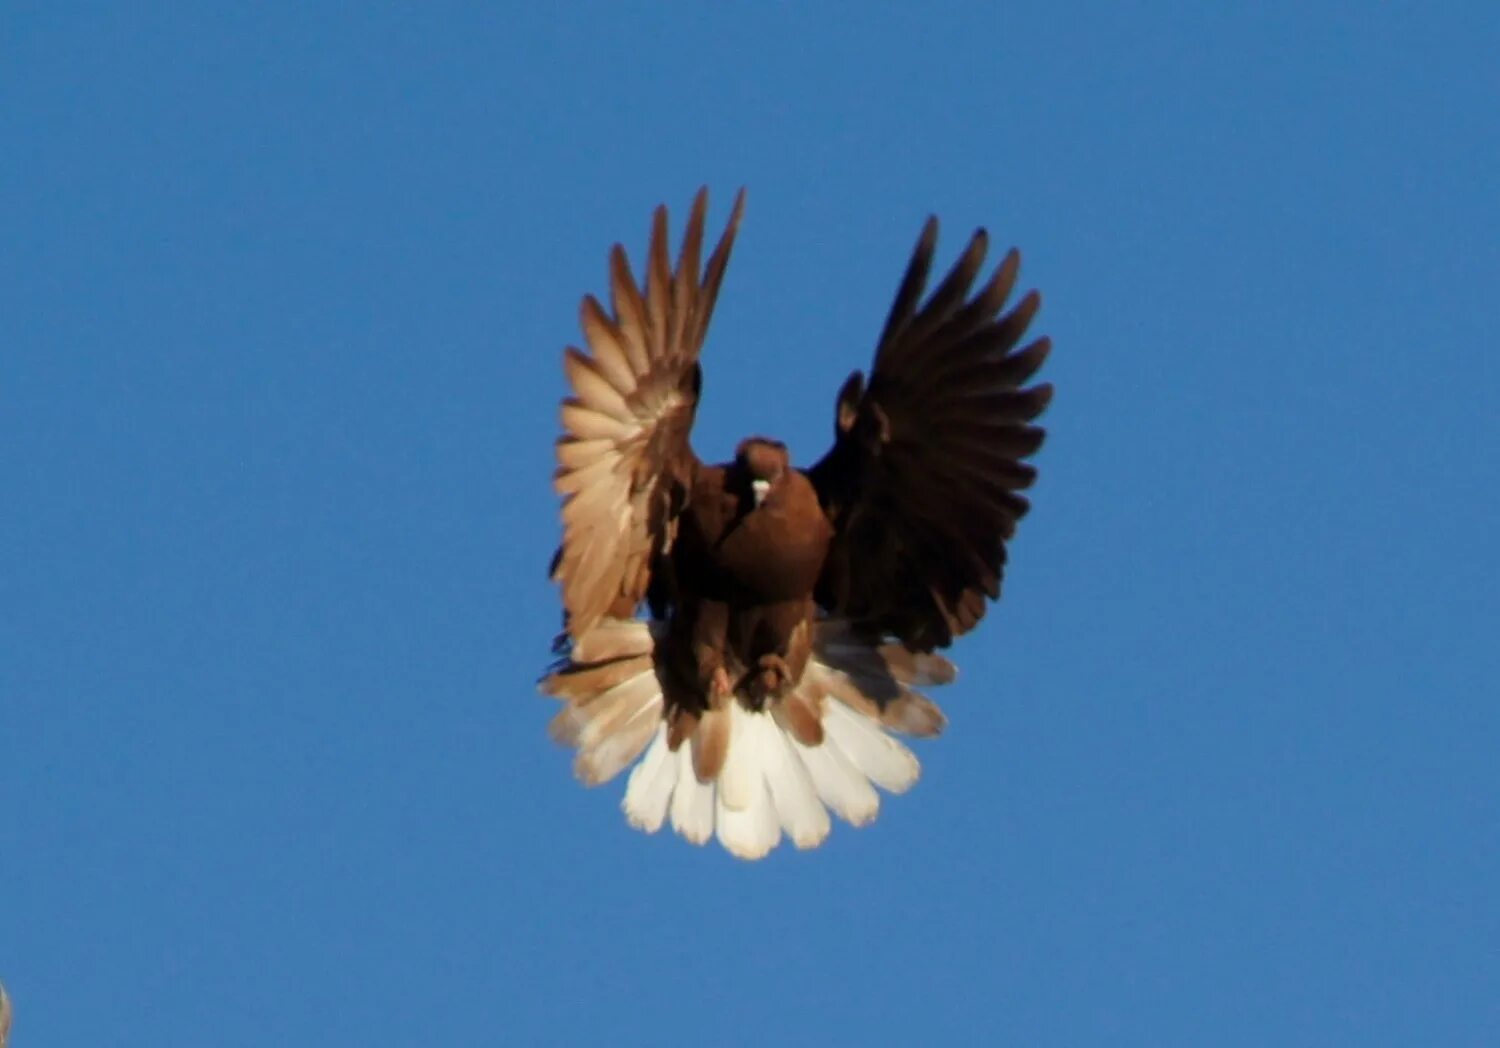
column 823, row 747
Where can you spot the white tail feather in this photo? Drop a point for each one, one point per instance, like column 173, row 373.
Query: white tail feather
column 692, row 801
column 740, row 779
column 839, row 784
column 770, row 782
column 880, row 758
column 747, row 823
column 792, row 791
column 651, row 783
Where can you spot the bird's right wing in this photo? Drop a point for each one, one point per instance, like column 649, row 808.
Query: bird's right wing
column 624, row 461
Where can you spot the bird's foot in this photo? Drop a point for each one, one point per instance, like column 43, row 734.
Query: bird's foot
column 719, row 686
column 773, row 676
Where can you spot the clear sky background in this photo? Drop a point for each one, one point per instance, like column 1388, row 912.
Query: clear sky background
column 283, row 290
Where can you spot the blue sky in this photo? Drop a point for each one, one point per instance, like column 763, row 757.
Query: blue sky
column 282, row 298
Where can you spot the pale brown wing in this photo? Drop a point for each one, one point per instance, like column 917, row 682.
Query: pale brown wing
column 624, row 462
column 921, row 483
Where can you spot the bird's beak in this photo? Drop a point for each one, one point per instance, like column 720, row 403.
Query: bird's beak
column 760, row 487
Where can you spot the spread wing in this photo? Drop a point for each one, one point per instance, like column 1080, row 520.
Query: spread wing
column 624, row 464
column 921, row 483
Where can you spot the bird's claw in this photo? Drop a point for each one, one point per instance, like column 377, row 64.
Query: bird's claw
column 774, row 675
column 719, row 685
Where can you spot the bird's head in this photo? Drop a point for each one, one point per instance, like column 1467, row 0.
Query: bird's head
column 763, row 462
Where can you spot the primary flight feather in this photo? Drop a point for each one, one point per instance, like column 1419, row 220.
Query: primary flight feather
column 791, row 614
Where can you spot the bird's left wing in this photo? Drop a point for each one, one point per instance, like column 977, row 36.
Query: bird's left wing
column 624, row 464
column 921, row 483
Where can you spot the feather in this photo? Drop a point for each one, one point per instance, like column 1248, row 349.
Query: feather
column 906, row 711
column 616, row 707
column 615, row 736
column 604, row 756
column 583, row 681
column 799, row 716
column 919, row 668
column 847, row 793
column 685, row 278
column 681, row 724
column 588, row 423
column 984, row 305
column 614, row 638
column 573, row 453
column 608, row 345
column 711, row 742
column 738, row 778
column 878, row 757
column 950, row 294
column 659, row 284
column 753, row 832
column 630, row 311
column 692, row 801
column 582, row 721
column 914, row 714
column 748, row 826
column 593, row 388
column 649, row 789
column 909, row 294
column 713, row 272
column 793, row 794
column 1007, row 331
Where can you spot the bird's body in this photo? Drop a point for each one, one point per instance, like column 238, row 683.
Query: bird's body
column 757, row 559
column 793, row 611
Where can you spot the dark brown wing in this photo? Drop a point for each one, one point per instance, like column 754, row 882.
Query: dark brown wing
column 921, row 483
column 624, row 462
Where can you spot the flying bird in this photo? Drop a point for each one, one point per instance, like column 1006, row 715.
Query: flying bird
column 751, row 635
